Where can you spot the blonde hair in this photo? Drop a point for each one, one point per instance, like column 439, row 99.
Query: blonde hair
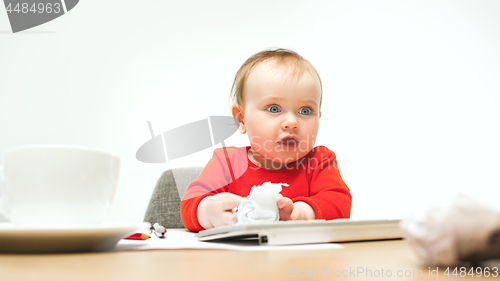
column 282, row 57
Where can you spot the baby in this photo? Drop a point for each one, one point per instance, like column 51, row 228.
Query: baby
column 276, row 101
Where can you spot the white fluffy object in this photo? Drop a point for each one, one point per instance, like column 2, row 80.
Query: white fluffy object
column 262, row 204
column 465, row 231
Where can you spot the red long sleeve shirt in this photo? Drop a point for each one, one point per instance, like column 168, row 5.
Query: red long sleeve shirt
column 315, row 179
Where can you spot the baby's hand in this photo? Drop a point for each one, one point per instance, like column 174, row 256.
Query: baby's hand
column 293, row 211
column 286, row 209
column 216, row 210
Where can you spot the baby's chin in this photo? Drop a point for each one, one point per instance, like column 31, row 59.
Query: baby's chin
column 286, row 157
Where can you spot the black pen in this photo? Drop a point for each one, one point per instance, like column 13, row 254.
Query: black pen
column 158, row 230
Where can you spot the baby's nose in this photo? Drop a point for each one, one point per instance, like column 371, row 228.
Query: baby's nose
column 290, row 126
column 290, row 123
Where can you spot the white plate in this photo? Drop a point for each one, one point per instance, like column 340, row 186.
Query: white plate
column 64, row 238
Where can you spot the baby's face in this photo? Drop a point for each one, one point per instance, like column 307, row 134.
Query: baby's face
column 281, row 114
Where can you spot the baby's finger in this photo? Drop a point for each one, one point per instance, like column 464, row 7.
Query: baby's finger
column 231, row 202
column 229, row 217
column 286, row 210
column 296, row 215
column 279, row 201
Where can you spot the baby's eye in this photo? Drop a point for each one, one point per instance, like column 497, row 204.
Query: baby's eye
column 273, row 109
column 305, row 111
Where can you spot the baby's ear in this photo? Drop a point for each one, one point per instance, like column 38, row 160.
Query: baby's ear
column 238, row 116
column 242, row 128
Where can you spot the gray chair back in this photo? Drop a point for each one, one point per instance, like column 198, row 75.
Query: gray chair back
column 165, row 204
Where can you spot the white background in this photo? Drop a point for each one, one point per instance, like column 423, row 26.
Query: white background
column 411, row 88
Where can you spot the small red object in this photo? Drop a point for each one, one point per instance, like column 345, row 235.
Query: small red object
column 137, row 236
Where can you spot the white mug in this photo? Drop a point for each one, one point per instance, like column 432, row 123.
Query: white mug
column 57, row 184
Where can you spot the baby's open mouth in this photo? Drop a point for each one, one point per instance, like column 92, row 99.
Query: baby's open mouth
column 288, row 143
column 288, row 140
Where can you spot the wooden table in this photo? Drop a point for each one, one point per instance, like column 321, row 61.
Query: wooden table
column 205, row 265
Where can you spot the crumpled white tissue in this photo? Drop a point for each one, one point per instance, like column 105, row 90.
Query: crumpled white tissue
column 465, row 231
column 262, row 204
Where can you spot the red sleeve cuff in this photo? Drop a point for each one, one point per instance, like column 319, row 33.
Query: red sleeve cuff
column 189, row 212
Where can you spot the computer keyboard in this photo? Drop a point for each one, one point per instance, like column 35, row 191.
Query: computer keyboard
column 306, row 231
